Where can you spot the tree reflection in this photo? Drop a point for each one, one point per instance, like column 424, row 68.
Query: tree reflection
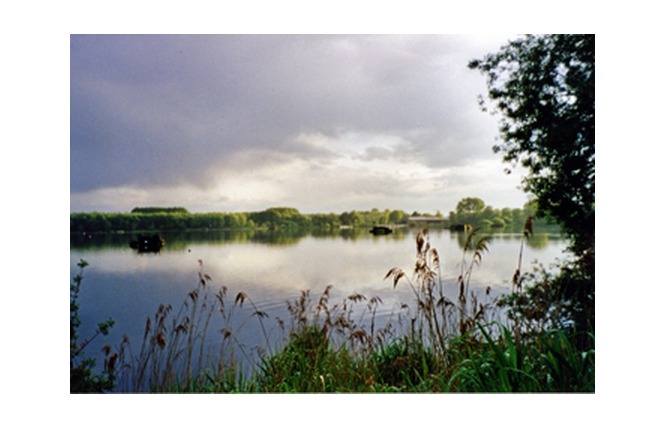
column 537, row 241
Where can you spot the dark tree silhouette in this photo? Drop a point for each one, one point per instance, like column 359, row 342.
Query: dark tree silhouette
column 543, row 88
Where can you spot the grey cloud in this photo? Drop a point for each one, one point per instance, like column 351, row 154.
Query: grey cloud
column 380, row 153
column 163, row 110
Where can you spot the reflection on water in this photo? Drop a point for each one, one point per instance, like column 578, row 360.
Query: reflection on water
column 179, row 240
column 273, row 267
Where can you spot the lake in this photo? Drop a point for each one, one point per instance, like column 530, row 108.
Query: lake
column 271, row 268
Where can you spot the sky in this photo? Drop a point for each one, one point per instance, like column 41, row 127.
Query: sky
column 321, row 123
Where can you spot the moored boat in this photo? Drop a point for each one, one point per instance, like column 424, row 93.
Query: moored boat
column 380, row 230
column 148, row 243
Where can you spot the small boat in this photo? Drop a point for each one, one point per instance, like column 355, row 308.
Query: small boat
column 148, row 243
column 380, row 230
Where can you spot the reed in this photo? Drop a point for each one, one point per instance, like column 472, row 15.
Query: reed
column 176, row 352
column 527, row 231
column 438, row 317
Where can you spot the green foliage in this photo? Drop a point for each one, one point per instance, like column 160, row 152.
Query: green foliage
column 325, row 221
column 470, row 206
column 548, row 362
column 498, row 222
column 155, row 221
column 563, row 301
column 373, row 217
column 298, row 366
column 403, row 363
column 473, row 211
column 278, row 217
column 477, row 361
column 171, row 219
column 543, row 87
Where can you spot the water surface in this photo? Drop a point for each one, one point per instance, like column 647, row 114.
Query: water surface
column 273, row 267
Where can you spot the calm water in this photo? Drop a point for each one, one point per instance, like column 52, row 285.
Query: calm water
column 273, row 267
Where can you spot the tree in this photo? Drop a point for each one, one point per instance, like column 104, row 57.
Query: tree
column 470, row 206
column 543, row 87
column 397, row 217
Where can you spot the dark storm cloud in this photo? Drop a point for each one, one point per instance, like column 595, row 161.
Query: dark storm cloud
column 168, row 110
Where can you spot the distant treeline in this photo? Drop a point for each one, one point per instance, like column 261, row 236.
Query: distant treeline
column 469, row 211
column 180, row 219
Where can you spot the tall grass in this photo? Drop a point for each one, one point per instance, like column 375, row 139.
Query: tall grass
column 547, row 363
column 518, row 278
column 438, row 317
column 175, row 351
